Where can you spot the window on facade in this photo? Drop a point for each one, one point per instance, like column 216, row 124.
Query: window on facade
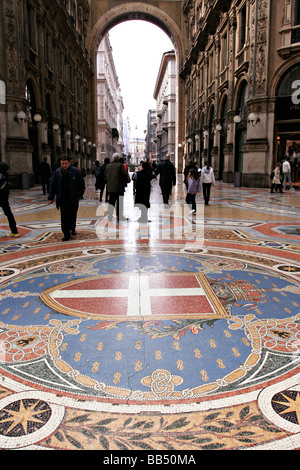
column 295, row 35
column 30, row 26
column 71, row 79
column 296, row 13
column 243, row 16
column 48, row 49
column 211, row 68
column 201, row 80
column 288, row 83
column 30, row 97
column 224, row 52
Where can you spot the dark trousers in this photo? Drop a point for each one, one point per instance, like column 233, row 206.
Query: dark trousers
column 102, row 192
column 191, row 201
column 166, row 191
column 113, row 199
column 45, row 184
column 68, row 215
column 277, row 187
column 206, row 192
column 10, row 217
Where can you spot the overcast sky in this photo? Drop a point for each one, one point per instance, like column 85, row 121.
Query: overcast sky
column 138, row 47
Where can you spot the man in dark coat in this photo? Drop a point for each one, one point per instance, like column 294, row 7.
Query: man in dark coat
column 4, row 195
column 45, row 175
column 143, row 190
column 101, row 179
column 167, row 178
column 116, row 178
column 68, row 186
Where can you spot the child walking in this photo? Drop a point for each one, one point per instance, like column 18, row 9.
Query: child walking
column 193, row 187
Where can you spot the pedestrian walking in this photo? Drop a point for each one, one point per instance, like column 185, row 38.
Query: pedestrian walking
column 96, row 168
column 143, row 190
column 207, row 180
column 67, row 186
column 126, row 169
column 101, row 180
column 45, row 175
column 116, row 178
column 287, row 172
column 167, row 178
column 276, row 180
column 4, row 200
column 193, row 187
column 188, row 167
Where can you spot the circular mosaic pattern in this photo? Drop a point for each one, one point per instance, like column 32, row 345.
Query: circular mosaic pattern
column 148, row 328
column 25, row 419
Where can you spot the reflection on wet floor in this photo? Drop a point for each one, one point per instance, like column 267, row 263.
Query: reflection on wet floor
column 181, row 333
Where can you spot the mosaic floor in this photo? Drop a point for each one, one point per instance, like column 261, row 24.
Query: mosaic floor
column 182, row 334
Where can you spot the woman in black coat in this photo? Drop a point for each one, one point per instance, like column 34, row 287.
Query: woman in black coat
column 143, row 189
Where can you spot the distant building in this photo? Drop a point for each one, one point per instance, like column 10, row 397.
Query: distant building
column 165, row 96
column 109, row 104
column 151, row 151
column 137, row 150
column 126, row 135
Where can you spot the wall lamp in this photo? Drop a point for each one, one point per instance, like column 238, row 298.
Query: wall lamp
column 37, row 117
column 218, row 127
column 20, row 117
column 253, row 119
column 55, row 127
column 237, row 119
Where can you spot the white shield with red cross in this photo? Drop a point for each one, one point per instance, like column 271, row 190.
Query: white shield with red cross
column 135, row 297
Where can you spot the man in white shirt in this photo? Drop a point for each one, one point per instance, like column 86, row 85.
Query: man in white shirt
column 286, row 170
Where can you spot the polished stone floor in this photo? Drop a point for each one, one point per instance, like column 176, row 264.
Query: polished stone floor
column 182, row 334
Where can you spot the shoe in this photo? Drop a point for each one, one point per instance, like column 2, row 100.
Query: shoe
column 74, row 232
column 192, row 212
column 13, row 235
column 66, row 238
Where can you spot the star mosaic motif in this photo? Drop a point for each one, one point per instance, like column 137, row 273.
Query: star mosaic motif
column 25, row 415
column 291, row 405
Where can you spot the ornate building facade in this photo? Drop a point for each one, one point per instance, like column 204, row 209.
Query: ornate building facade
column 237, row 96
column 44, row 72
column 109, row 104
column 151, row 150
column 242, row 96
column 165, row 96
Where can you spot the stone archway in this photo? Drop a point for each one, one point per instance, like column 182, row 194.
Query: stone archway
column 104, row 17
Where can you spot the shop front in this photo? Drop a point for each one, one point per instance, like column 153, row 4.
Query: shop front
column 287, row 120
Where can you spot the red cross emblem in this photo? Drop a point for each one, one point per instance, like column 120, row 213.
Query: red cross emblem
column 136, row 297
